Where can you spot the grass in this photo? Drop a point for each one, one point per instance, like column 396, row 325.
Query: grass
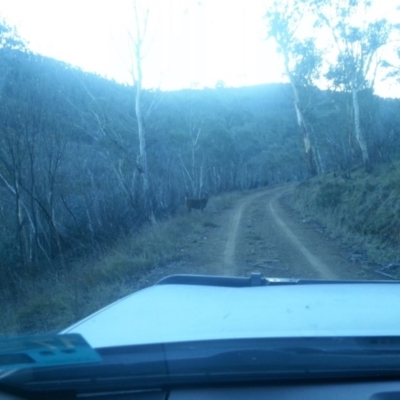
column 223, row 202
column 51, row 300
column 363, row 211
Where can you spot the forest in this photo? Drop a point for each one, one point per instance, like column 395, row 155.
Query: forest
column 85, row 160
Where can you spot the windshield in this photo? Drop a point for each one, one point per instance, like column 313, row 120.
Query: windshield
column 141, row 139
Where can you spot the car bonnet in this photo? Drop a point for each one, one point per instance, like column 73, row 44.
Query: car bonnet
column 174, row 313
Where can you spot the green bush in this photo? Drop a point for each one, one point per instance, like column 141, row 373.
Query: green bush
column 329, row 195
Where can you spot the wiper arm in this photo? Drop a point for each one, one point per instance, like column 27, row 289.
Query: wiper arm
column 255, row 279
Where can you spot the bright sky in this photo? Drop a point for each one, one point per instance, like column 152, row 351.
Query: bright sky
column 190, row 43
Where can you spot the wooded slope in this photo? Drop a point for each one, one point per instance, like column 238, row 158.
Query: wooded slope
column 69, row 176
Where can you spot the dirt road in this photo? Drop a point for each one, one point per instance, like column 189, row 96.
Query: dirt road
column 281, row 242
column 261, row 234
column 267, row 237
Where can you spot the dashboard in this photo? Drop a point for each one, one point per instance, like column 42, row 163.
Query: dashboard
column 376, row 390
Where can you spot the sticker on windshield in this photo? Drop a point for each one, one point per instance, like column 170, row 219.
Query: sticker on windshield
column 45, row 350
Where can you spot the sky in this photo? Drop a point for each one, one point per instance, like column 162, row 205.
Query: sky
column 188, row 43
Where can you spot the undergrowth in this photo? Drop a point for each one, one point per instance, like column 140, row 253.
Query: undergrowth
column 52, row 299
column 362, row 210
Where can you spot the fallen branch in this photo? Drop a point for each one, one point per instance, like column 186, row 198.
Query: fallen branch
column 385, row 274
column 390, row 266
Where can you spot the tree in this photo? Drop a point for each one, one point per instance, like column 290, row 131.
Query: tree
column 32, row 150
column 357, row 43
column 9, row 37
column 301, row 62
column 12, row 145
column 141, row 19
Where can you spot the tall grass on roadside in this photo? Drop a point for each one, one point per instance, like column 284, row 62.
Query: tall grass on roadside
column 53, row 299
column 363, row 209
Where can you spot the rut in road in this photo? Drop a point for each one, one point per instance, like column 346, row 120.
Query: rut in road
column 316, row 263
column 291, row 243
column 229, row 253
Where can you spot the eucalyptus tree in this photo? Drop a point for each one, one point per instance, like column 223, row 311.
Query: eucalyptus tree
column 124, row 130
column 11, row 159
column 194, row 173
column 140, row 22
column 286, row 21
column 34, row 136
column 357, row 41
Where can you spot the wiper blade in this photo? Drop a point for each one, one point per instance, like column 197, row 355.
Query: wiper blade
column 255, row 279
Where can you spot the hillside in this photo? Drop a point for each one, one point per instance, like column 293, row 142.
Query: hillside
column 75, row 233
column 70, row 167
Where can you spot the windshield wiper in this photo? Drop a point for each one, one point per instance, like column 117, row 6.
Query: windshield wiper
column 255, row 279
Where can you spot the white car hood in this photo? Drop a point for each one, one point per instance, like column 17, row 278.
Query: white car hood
column 177, row 312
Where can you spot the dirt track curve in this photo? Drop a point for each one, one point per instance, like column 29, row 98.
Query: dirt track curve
column 261, row 234
column 293, row 252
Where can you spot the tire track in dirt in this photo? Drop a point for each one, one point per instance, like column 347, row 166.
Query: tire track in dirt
column 307, row 263
column 315, row 262
column 229, row 253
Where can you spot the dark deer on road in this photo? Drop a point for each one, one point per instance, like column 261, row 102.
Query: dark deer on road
column 198, row 204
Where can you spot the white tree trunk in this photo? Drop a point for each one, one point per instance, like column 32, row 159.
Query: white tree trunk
column 142, row 157
column 358, row 132
column 310, row 158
